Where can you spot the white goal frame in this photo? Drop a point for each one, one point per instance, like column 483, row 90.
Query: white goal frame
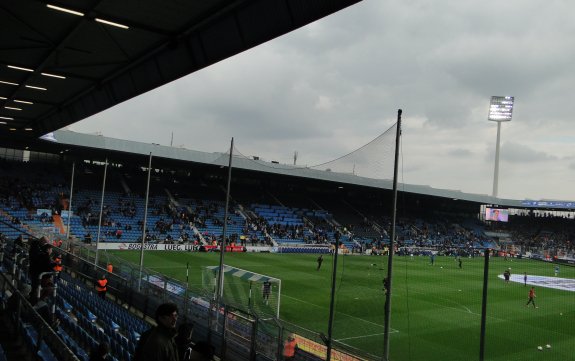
column 254, row 283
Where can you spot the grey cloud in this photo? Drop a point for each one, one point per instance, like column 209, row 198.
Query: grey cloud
column 514, row 152
column 460, row 153
column 336, row 84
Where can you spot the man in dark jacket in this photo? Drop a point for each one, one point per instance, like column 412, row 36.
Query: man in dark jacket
column 42, row 262
column 158, row 343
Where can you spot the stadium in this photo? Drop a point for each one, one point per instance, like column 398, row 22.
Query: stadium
column 254, row 254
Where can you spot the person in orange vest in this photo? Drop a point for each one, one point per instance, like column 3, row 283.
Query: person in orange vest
column 58, row 263
column 110, row 268
column 101, row 286
column 290, row 347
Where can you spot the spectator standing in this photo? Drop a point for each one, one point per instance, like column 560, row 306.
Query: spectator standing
column 102, row 287
column 158, row 343
column 39, row 263
column 290, row 347
column 58, row 264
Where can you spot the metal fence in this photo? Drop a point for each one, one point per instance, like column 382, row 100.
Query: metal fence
column 235, row 334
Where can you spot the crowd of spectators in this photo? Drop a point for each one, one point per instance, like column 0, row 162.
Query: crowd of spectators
column 194, row 221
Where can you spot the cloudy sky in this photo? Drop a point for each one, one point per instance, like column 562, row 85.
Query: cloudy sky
column 335, row 85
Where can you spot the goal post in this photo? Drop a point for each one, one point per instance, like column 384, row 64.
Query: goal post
column 246, row 290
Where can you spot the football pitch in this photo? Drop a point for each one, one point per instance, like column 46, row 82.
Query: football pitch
column 436, row 309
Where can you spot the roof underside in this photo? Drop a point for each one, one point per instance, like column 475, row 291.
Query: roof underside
column 98, row 65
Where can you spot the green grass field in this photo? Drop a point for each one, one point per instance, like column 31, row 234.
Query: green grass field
column 436, row 310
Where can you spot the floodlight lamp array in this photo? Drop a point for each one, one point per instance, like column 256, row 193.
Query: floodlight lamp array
column 501, row 108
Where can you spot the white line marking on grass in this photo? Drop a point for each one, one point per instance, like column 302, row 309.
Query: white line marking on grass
column 341, row 313
column 448, row 300
column 458, row 309
column 167, row 267
column 365, row 336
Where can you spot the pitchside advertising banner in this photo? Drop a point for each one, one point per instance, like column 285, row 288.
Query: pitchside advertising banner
column 321, row 350
column 124, row 246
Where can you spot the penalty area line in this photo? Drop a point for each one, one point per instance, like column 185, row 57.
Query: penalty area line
column 365, row 336
column 341, row 313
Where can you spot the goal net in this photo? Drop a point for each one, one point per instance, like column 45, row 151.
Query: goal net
column 251, row 292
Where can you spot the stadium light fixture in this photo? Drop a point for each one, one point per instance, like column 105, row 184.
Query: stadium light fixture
column 54, row 75
column 69, row 11
column 12, row 108
column 35, row 87
column 20, row 68
column 500, row 110
column 8, row 83
column 107, row 22
column 22, row 101
column 3, row 98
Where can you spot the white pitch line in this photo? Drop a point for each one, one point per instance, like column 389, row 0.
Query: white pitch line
column 345, row 314
column 448, row 300
column 170, row 267
column 365, row 336
column 458, row 309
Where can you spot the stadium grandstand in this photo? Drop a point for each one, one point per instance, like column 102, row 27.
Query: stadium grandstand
column 274, row 210
column 236, row 242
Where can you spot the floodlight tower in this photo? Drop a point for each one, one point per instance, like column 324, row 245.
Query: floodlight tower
column 500, row 110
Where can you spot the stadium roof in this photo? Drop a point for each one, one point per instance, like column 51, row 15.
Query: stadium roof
column 79, row 143
column 64, row 60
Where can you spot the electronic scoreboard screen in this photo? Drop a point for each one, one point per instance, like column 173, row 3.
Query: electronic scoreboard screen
column 496, row 214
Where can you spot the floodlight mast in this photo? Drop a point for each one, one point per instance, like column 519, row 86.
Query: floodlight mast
column 500, row 110
column 496, row 170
